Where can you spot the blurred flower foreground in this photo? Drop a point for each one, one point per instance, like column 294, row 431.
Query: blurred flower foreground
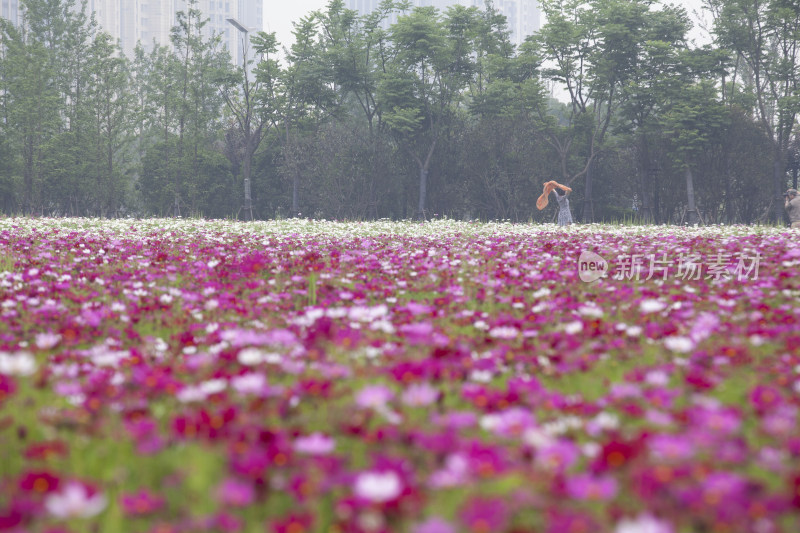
column 297, row 376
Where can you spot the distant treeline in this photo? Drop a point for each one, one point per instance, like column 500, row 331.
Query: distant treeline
column 438, row 115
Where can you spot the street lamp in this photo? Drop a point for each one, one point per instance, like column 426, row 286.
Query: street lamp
column 248, row 203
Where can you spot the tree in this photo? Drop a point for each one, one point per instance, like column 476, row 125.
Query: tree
column 253, row 101
column 655, row 78
column 109, row 97
column 595, row 48
column 201, row 61
column 308, row 95
column 422, row 84
column 765, row 34
column 42, row 81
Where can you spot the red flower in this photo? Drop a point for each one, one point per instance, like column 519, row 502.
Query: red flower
column 39, row 482
column 294, row 523
column 795, row 488
column 616, row 454
column 7, row 387
column 45, row 450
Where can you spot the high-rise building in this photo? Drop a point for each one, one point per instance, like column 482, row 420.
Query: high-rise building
column 522, row 15
column 149, row 21
column 10, row 9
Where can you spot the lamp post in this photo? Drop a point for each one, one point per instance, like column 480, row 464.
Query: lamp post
column 248, row 203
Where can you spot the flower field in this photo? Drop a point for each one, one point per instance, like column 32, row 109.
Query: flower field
column 298, row 376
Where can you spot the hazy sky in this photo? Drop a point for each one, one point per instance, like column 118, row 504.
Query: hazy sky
column 279, row 14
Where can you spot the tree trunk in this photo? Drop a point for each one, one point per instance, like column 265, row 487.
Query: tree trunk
column 778, row 187
column 295, row 180
column 27, row 174
column 423, row 190
column 588, row 203
column 645, row 176
column 692, row 217
column 246, row 170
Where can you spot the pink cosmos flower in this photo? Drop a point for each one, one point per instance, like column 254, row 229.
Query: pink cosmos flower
column 557, row 456
column 509, row 423
column 75, row 500
column 704, row 325
column 420, row 395
column 434, row 525
column 589, row 487
column 723, row 488
column 670, row 447
column 374, row 397
column 417, row 333
column 314, row 444
column 781, row 422
column 45, row 341
column 235, row 493
column 454, row 473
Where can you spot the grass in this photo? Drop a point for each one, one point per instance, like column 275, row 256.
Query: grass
column 7, row 263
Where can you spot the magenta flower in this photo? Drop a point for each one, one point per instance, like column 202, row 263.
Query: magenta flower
column 235, row 493
column 765, row 397
column 589, row 487
column 140, row 503
column 484, row 515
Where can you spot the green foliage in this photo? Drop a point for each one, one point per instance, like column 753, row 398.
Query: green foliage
column 403, row 111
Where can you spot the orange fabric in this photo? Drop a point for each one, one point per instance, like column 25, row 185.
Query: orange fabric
column 549, row 187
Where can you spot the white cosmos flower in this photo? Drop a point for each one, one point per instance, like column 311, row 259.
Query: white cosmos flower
column 213, row 386
column 250, row 356
column 74, row 501
column 679, row 344
column 633, row 331
column 644, row 523
column 17, row 364
column 378, row 487
column 249, row 383
column 541, row 293
column 588, row 310
column 191, row 394
column 652, row 306
column 504, row 332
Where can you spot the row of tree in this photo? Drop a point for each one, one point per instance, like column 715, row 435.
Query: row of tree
column 435, row 114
